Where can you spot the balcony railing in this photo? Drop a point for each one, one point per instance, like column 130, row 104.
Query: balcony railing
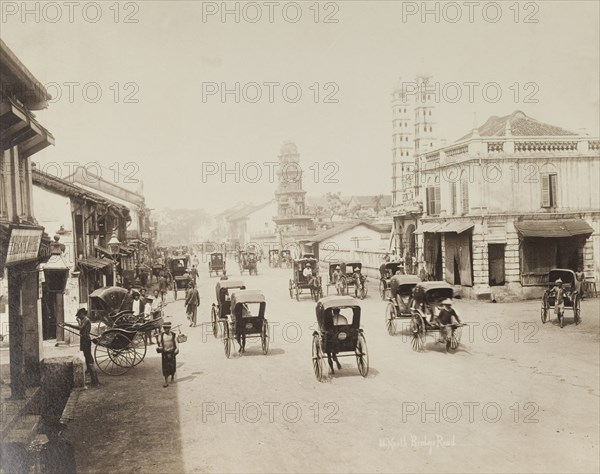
column 544, row 146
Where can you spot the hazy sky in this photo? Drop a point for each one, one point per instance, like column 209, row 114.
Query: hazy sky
column 166, row 60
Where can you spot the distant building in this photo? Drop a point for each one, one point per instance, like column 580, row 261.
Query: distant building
column 292, row 221
column 253, row 224
column 508, row 202
column 414, row 131
column 339, row 241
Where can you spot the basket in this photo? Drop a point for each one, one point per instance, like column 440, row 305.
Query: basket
column 181, row 337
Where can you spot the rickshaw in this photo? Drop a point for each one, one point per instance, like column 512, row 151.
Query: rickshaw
column 386, row 272
column 274, row 258
column 571, row 296
column 216, row 264
column 108, row 305
column 119, row 340
column 222, row 308
column 340, row 284
column 178, row 267
column 400, row 300
column 331, row 339
column 427, row 297
column 360, row 287
column 286, row 258
column 299, row 282
column 248, row 262
column 246, row 320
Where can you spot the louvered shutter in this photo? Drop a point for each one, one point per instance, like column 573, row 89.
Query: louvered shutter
column 545, row 190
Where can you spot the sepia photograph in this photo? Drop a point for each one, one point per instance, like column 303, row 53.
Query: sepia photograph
column 311, row 236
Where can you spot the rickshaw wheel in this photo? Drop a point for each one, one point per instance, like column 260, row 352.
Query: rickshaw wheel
column 417, row 328
column 139, row 346
column 109, row 360
column 291, row 289
column 362, row 355
column 264, row 337
column 317, row 357
column 227, row 342
column 390, row 319
column 382, row 289
column 577, row 309
column 455, row 338
column 215, row 323
column 544, row 310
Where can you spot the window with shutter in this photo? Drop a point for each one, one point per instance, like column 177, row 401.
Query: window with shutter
column 438, row 200
column 553, row 189
column 464, row 189
column 546, row 190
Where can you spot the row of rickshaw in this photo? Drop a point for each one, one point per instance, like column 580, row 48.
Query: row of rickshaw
column 247, row 260
column 239, row 314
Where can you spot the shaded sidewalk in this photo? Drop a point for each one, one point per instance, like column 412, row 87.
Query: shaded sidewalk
column 129, row 424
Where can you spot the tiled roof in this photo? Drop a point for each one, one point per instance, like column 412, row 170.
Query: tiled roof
column 65, row 188
column 326, row 234
column 520, row 126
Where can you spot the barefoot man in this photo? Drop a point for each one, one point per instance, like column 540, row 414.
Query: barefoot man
column 168, row 348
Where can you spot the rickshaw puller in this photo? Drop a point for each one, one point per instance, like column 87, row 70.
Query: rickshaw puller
column 559, row 305
column 85, row 343
column 447, row 318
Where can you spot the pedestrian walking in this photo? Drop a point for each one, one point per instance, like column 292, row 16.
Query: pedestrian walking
column 167, row 347
column 192, row 301
column 162, row 286
column 84, row 326
column 194, row 273
column 224, row 276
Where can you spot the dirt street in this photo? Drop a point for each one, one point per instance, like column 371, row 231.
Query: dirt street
column 516, row 396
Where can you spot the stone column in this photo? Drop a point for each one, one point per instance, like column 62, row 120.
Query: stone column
column 15, row 322
column 32, row 341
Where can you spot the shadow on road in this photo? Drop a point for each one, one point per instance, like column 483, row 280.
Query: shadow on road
column 130, row 424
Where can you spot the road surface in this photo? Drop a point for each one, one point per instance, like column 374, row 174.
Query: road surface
column 516, row 396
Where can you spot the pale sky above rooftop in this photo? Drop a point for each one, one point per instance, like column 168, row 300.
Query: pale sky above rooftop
column 170, row 52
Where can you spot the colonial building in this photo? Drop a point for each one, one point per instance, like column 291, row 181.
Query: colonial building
column 508, row 202
column 21, row 246
column 138, row 241
column 83, row 220
column 414, row 131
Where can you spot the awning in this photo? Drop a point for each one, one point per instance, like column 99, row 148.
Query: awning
column 553, row 228
column 456, row 226
column 103, row 250
column 427, row 227
column 96, row 263
column 125, row 250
